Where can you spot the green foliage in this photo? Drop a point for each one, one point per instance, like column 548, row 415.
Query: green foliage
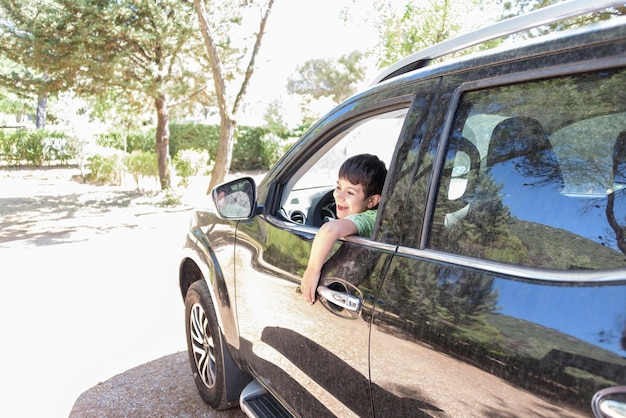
column 141, row 141
column 136, row 141
column 170, row 198
column 12, row 104
column 30, row 149
column 249, row 150
column 337, row 79
column 410, row 26
column 110, row 140
column 518, row 7
column 105, row 169
column 142, row 47
column 7, row 147
column 274, row 120
column 55, row 145
column 255, row 148
column 35, row 147
column 141, row 164
column 189, row 163
column 193, row 146
column 196, row 136
column 148, row 51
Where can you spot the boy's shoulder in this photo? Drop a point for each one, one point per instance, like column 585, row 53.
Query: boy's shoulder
column 364, row 222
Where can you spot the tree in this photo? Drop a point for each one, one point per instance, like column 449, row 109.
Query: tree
column 409, row 26
column 519, row 7
column 93, row 48
column 211, row 19
column 13, row 101
column 337, row 79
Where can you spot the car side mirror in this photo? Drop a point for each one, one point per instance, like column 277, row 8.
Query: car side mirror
column 610, row 403
column 235, row 200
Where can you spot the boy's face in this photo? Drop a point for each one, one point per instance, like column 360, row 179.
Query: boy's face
column 350, row 198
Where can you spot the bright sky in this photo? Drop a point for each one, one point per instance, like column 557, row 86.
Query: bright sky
column 299, row 30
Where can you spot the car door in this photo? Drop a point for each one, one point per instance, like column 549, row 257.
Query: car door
column 314, row 358
column 509, row 298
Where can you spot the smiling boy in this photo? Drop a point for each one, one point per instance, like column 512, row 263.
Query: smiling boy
column 357, row 194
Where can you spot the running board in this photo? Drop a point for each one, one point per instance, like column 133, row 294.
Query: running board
column 256, row 402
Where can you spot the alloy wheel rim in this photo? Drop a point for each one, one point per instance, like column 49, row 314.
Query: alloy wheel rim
column 203, row 345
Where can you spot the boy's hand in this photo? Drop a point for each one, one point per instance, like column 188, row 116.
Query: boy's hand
column 309, row 285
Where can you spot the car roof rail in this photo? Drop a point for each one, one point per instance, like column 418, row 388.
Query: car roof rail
column 545, row 15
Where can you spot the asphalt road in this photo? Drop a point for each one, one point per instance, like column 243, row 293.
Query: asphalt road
column 90, row 311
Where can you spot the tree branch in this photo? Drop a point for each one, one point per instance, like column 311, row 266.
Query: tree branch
column 216, row 65
column 255, row 50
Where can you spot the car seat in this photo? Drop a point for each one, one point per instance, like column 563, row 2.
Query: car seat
column 521, row 160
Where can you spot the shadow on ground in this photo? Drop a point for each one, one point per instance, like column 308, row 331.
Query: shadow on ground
column 162, row 388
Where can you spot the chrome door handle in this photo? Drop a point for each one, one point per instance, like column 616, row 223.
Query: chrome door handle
column 341, row 299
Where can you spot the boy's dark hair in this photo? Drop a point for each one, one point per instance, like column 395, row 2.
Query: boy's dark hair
column 366, row 170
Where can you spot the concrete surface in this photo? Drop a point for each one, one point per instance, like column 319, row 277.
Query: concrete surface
column 88, row 290
column 161, row 388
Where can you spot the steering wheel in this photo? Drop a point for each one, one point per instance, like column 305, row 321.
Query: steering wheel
column 325, row 209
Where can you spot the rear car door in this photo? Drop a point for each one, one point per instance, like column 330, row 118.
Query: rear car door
column 509, row 297
column 314, row 358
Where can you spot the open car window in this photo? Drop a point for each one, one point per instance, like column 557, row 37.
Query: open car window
column 308, row 196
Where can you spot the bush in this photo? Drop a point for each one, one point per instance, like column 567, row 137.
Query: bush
column 189, row 163
column 198, row 136
column 113, row 140
column 56, row 146
column 104, row 170
column 135, row 141
column 248, row 150
column 255, row 148
column 34, row 147
column 170, row 198
column 142, row 141
column 29, row 148
column 8, row 147
column 141, row 164
column 77, row 149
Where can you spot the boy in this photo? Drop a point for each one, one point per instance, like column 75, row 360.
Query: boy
column 357, row 194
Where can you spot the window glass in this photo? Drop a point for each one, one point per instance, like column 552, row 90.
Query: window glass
column 535, row 174
column 308, row 198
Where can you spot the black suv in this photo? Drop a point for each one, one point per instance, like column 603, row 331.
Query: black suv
column 495, row 281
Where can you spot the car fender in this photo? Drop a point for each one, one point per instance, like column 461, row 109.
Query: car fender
column 199, row 252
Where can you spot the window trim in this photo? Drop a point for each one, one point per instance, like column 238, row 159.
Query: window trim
column 312, row 143
column 514, row 271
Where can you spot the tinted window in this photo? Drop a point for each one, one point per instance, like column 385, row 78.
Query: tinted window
column 535, row 174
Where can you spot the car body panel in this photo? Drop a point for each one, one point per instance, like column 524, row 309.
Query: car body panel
column 303, row 353
column 514, row 347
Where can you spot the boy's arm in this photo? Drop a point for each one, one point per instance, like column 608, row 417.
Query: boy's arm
column 322, row 243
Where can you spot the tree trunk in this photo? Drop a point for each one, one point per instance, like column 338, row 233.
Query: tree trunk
column 163, row 141
column 224, row 152
column 228, row 123
column 42, row 110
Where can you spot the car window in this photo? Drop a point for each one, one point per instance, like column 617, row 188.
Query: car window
column 535, row 174
column 308, row 196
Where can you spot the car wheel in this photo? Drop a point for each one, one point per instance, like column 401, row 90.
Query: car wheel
column 204, row 346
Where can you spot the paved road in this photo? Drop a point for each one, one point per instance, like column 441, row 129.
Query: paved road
column 87, row 291
column 161, row 388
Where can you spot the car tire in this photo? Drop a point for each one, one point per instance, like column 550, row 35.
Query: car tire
column 204, row 346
